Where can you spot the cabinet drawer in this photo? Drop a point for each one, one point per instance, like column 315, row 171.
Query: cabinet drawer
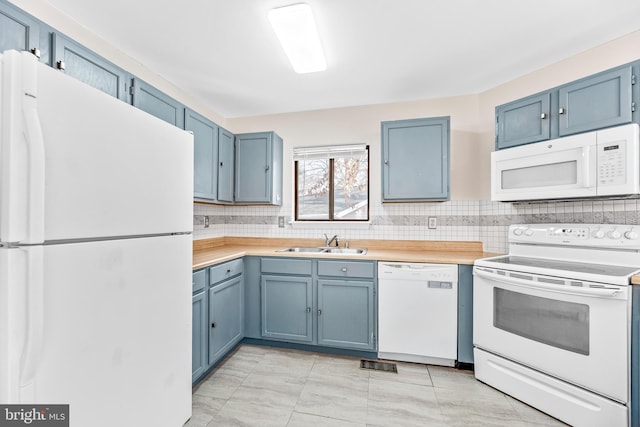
column 346, row 268
column 218, row 273
column 286, row 266
column 199, row 280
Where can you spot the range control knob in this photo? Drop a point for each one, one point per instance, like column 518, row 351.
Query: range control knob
column 598, row 234
column 517, row 231
column 614, row 234
column 528, row 232
column 631, row 235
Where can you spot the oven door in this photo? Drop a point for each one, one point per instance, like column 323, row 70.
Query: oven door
column 558, row 169
column 575, row 331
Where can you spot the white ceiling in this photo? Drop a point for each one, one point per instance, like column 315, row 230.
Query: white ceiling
column 224, row 53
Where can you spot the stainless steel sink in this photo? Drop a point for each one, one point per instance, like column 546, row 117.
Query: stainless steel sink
column 325, row 250
column 302, row 249
column 346, row 251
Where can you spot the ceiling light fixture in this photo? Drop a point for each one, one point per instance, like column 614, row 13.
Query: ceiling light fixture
column 298, row 35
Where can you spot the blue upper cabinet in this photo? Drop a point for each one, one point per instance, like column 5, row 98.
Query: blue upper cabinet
column 156, row 103
column 226, row 166
column 84, row 65
column 258, row 168
column 415, row 160
column 524, row 121
column 596, row 102
column 18, row 30
column 205, row 153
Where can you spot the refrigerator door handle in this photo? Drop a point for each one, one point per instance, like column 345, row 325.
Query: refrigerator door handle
column 35, row 322
column 23, row 174
column 35, row 145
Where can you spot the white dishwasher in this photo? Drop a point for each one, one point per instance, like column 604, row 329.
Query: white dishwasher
column 418, row 312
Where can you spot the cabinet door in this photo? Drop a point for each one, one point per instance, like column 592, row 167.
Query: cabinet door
column 88, row 67
column 226, row 317
column 465, row 313
column 149, row 99
column 523, row 121
column 286, row 308
column 415, row 160
column 253, row 168
column 199, row 336
column 18, row 30
column 225, row 165
column 205, row 155
column 252, row 297
column 346, row 314
column 599, row 101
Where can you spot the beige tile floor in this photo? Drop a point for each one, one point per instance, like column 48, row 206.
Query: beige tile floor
column 263, row 386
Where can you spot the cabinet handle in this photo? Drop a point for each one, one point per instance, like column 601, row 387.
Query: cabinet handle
column 543, row 116
column 266, row 168
column 36, row 52
column 60, row 65
column 319, row 311
column 386, row 162
column 213, row 325
column 221, row 163
column 228, row 270
column 308, row 309
column 562, row 110
column 343, row 269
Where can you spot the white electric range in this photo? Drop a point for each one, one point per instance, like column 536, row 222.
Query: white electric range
column 554, row 319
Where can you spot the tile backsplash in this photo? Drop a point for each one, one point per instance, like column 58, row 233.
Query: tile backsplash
column 476, row 220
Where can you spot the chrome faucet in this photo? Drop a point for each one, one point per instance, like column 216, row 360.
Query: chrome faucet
column 327, row 240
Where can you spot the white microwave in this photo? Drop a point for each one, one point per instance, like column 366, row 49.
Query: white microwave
column 603, row 163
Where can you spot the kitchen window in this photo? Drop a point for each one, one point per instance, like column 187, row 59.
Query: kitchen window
column 332, row 183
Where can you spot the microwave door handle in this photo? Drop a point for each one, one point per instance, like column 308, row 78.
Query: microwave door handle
column 545, row 286
column 586, row 166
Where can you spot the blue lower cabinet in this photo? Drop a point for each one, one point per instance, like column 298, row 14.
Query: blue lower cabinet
column 252, row 302
column 217, row 316
column 465, row 314
column 328, row 303
column 346, row 314
column 199, row 335
column 226, row 317
column 287, row 304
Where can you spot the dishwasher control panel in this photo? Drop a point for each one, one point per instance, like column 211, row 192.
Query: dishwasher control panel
column 440, row 285
column 437, row 275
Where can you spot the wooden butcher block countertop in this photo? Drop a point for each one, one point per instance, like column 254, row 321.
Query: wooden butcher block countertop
column 208, row 252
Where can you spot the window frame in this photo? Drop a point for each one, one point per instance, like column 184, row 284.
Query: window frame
column 331, row 206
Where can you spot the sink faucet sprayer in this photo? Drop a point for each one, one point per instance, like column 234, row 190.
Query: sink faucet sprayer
column 327, row 240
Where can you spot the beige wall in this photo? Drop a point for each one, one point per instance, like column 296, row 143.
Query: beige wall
column 472, row 119
column 362, row 125
column 42, row 10
column 472, row 116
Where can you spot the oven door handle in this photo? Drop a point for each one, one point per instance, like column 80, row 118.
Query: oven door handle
column 567, row 289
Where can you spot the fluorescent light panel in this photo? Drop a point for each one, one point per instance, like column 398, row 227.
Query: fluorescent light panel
column 296, row 29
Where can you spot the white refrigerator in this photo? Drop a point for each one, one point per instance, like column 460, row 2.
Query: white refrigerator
column 95, row 252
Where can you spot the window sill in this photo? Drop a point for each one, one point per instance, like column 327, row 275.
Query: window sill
column 334, row 225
